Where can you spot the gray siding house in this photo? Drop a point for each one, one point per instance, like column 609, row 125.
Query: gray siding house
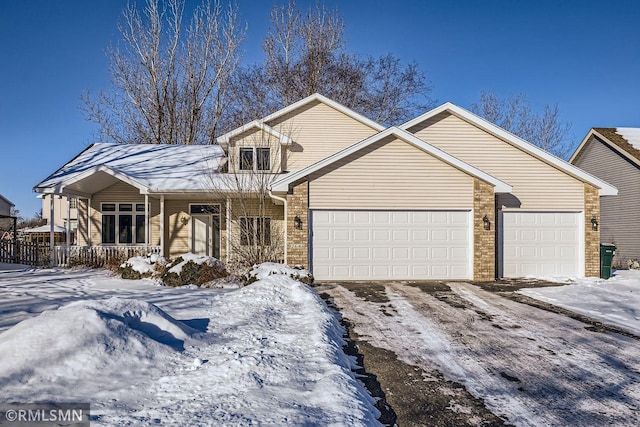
column 613, row 155
column 5, row 206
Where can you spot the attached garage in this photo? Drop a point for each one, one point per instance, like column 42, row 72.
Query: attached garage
column 391, row 245
column 366, row 221
column 542, row 244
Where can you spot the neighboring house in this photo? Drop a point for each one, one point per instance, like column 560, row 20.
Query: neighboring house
column 5, row 206
column 445, row 196
column 65, row 211
column 613, row 154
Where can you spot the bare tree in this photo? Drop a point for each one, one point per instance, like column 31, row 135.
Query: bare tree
column 306, row 53
column 514, row 114
column 255, row 161
column 170, row 79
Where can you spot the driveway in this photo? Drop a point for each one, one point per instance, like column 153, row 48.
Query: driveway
column 457, row 354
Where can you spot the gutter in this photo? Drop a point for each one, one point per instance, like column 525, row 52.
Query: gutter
column 286, row 220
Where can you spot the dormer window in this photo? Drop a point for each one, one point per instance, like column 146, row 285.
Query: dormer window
column 263, row 155
column 262, row 158
column 246, row 159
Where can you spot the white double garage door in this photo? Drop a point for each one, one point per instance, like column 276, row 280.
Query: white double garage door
column 435, row 245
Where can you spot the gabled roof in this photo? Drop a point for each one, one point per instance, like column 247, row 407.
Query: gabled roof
column 258, row 124
column 625, row 141
column 148, row 167
column 605, row 188
column 316, row 97
column 283, row 183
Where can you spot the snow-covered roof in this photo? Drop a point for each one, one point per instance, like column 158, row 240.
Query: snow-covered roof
column 632, row 135
column 45, row 229
column 149, row 167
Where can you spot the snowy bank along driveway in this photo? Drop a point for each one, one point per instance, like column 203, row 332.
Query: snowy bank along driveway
column 266, row 354
column 532, row 367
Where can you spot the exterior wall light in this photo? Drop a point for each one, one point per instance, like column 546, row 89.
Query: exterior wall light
column 594, row 223
column 298, row 222
column 486, row 222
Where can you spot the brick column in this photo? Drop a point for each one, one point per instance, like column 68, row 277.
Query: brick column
column 591, row 236
column 298, row 240
column 484, row 241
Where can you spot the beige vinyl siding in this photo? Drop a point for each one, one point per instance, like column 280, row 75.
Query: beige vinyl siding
column 391, row 174
column 119, row 193
column 255, row 138
column 176, row 228
column 619, row 214
column 247, row 208
column 177, row 232
column 536, row 185
column 318, row 131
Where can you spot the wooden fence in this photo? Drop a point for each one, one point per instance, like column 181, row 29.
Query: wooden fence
column 38, row 254
column 33, row 254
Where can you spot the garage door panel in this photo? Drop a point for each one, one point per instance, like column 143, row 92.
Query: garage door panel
column 400, row 217
column 541, row 243
column 391, row 245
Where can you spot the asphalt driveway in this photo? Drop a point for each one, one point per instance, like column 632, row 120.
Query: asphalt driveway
column 452, row 354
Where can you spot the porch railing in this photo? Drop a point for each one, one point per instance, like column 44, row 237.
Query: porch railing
column 98, row 256
column 38, row 254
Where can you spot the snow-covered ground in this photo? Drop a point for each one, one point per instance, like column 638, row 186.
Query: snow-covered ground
column 141, row 354
column 615, row 301
column 530, row 366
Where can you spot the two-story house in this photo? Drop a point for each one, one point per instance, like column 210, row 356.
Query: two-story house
column 447, row 195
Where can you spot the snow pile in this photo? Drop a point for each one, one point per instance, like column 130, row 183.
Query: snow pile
column 145, row 265
column 268, row 354
column 55, row 353
column 277, row 360
column 615, row 301
column 176, row 267
column 264, row 270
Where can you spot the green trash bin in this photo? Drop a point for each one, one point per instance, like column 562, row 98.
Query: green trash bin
column 606, row 259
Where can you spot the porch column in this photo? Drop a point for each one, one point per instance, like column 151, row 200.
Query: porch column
column 52, row 231
column 89, row 221
column 228, row 222
column 68, row 222
column 162, row 225
column 146, row 223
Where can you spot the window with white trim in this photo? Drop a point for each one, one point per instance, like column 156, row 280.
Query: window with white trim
column 255, row 158
column 255, row 231
column 123, row 223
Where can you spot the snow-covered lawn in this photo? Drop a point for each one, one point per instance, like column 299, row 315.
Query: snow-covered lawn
column 530, row 366
column 615, row 301
column 267, row 354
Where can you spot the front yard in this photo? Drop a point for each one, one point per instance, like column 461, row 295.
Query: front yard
column 271, row 353
column 142, row 354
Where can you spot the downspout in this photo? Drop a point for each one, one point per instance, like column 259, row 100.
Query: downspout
column 286, row 220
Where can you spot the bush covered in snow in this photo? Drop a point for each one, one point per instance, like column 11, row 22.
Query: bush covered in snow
column 142, row 266
column 266, row 269
column 190, row 269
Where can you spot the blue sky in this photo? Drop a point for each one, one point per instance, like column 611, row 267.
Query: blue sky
column 583, row 55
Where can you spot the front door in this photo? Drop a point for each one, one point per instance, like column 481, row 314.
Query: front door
column 205, row 235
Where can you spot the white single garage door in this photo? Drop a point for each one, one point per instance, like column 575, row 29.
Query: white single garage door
column 541, row 244
column 391, row 245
